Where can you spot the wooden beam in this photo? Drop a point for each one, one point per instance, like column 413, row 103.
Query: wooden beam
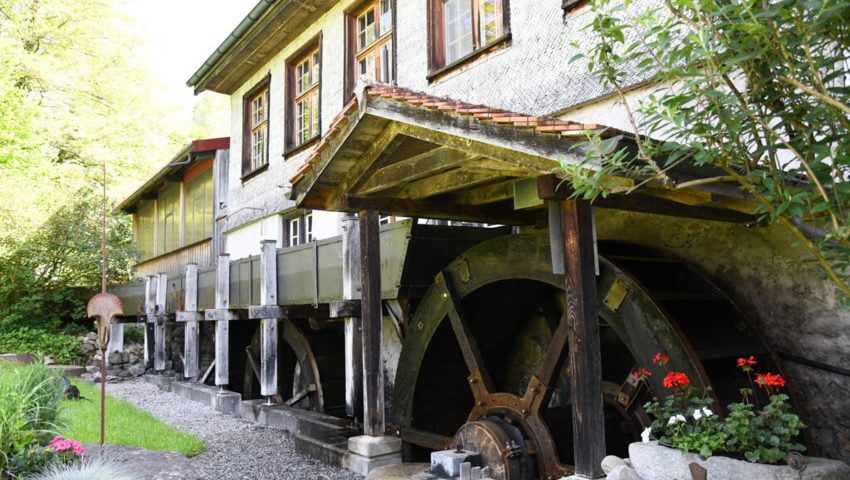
column 584, row 346
column 495, row 166
column 370, row 277
column 552, row 188
column 496, row 192
column 418, row 166
column 159, row 325
column 440, row 210
column 351, row 278
column 190, row 362
column 447, row 182
column 386, row 142
column 150, row 318
column 268, row 296
column 222, row 327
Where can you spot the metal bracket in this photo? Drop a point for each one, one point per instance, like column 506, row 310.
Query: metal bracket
column 616, row 294
column 628, row 391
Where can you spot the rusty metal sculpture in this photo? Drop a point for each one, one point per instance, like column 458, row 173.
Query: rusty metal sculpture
column 103, row 307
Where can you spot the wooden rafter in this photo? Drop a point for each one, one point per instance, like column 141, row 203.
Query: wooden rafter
column 418, row 166
column 445, row 182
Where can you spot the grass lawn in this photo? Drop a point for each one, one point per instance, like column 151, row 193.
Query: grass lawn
column 125, row 424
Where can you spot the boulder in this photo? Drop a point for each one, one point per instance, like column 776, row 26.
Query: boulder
column 652, row 461
column 623, row 472
column 116, row 358
column 136, row 370
column 611, row 462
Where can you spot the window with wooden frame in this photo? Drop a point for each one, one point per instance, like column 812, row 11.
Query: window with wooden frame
column 145, row 224
column 303, row 94
column 460, row 28
column 294, row 230
column 255, row 132
column 308, row 227
column 369, row 48
column 298, row 229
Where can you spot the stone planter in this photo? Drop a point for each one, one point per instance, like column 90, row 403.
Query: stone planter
column 655, row 462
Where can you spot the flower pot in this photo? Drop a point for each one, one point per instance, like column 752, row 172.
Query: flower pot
column 655, row 462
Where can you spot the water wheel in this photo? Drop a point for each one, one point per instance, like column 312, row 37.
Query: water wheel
column 484, row 362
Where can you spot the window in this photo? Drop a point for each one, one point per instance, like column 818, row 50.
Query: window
column 145, row 230
column 462, row 27
column 168, row 219
column 386, row 219
column 298, row 229
column 255, row 142
column 294, row 231
column 370, row 43
column 199, row 207
column 308, row 227
column 304, row 103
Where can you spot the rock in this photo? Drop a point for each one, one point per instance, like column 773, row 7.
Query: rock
column 611, row 462
column 47, row 360
column 125, row 357
column 136, row 370
column 87, row 346
column 653, row 461
column 92, row 368
column 125, row 374
column 623, row 472
column 132, row 358
column 91, row 336
column 95, row 378
column 169, row 365
column 111, row 378
column 116, row 358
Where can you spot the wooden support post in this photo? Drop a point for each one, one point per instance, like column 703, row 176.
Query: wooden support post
column 190, row 335
column 583, row 323
column 353, row 329
column 222, row 333
column 370, row 294
column 150, row 318
column 159, row 326
column 268, row 296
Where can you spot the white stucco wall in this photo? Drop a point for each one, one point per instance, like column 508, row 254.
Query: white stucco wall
column 245, row 240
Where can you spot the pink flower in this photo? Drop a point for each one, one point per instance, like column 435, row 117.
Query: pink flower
column 62, row 444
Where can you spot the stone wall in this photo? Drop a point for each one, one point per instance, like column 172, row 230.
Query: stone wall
column 781, row 287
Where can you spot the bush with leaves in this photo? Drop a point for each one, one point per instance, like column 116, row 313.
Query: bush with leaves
column 755, row 91
column 30, row 414
column 46, row 280
column 686, row 421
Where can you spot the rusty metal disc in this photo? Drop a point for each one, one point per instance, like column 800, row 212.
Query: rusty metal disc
column 501, row 445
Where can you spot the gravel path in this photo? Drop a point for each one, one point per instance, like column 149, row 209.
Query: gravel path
column 235, row 449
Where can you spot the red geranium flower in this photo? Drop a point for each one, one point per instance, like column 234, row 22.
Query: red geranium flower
column 746, row 362
column 676, row 380
column 642, row 374
column 770, row 380
column 659, row 359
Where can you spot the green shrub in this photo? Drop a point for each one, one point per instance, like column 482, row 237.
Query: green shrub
column 134, row 333
column 31, row 461
column 29, row 408
column 23, row 340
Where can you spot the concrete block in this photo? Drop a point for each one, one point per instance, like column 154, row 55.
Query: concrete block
column 363, row 465
column 402, row 471
column 163, row 382
column 228, row 402
column 324, row 452
column 447, row 462
column 279, row 418
column 249, row 410
column 369, row 446
column 196, row 392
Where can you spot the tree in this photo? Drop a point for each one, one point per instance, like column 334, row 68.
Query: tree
column 755, row 90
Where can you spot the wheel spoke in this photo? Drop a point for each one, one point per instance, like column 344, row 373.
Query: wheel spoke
column 556, row 354
column 471, row 353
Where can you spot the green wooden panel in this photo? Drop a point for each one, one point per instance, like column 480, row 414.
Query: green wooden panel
column 206, row 288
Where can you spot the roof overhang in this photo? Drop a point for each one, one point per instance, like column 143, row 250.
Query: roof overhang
column 188, row 156
column 265, row 31
column 404, row 153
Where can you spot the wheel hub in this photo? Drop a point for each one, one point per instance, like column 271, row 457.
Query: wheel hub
column 502, row 446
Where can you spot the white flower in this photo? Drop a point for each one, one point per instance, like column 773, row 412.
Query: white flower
column 707, row 411
column 645, row 434
column 676, row 419
column 697, row 414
